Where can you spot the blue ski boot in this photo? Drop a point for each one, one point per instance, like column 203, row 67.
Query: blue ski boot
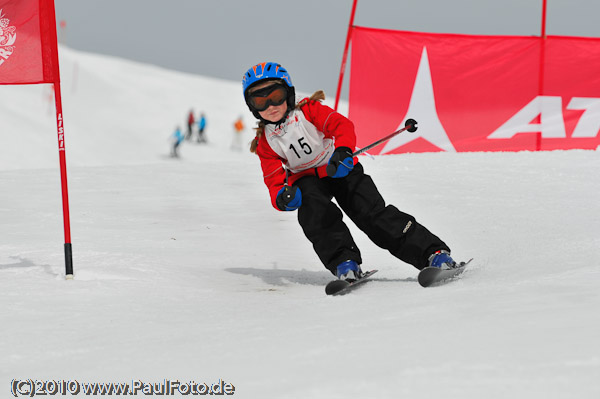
column 348, row 270
column 442, row 260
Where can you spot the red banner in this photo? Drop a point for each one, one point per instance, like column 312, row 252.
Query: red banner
column 474, row 93
column 28, row 52
column 29, row 55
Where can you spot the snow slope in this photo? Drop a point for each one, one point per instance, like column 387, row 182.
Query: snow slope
column 183, row 271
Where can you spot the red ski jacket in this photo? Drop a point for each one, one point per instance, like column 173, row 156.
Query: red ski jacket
column 333, row 126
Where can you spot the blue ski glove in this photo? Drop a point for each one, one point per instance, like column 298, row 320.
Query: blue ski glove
column 340, row 163
column 289, row 198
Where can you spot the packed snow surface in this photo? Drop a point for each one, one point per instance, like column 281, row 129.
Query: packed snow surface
column 184, row 272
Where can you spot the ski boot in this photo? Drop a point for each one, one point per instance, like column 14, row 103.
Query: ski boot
column 442, row 260
column 348, row 270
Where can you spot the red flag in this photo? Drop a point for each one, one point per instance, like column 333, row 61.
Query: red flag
column 29, row 55
column 474, row 93
column 28, row 49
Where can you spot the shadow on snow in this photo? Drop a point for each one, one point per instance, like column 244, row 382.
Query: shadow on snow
column 281, row 277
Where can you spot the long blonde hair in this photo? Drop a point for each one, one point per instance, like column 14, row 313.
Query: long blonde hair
column 260, row 129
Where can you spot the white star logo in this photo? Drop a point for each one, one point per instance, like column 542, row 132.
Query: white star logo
column 422, row 109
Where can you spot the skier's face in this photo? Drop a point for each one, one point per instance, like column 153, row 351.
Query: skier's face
column 274, row 112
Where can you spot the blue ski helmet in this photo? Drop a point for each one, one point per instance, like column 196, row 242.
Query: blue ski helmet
column 265, row 71
column 268, row 71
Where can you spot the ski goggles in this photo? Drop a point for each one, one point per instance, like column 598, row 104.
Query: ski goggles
column 262, row 99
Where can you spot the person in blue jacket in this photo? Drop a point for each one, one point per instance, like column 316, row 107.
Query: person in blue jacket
column 176, row 139
column 201, row 127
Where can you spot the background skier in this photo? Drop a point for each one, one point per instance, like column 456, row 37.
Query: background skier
column 176, row 139
column 201, row 127
column 238, row 130
column 190, row 125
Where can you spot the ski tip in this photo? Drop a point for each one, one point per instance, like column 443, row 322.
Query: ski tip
column 463, row 264
column 336, row 286
column 341, row 287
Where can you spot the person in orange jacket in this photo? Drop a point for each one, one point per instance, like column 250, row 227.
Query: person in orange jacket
column 238, row 129
column 295, row 143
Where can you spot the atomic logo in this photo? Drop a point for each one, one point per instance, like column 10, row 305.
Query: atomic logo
column 8, row 36
column 422, row 109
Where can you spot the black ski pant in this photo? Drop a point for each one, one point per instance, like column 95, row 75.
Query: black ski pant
column 357, row 195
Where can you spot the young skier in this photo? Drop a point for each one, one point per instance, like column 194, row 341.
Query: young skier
column 295, row 142
column 238, row 130
column 201, row 127
column 190, row 125
column 176, row 139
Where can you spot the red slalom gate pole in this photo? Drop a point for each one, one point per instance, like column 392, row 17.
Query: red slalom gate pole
column 63, row 179
column 538, row 144
column 52, row 75
column 343, row 68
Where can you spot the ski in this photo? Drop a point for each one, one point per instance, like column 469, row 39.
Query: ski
column 433, row 275
column 342, row 287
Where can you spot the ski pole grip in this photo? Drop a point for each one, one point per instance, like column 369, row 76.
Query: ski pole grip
column 287, row 194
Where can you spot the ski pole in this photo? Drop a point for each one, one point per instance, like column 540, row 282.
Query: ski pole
column 287, row 190
column 410, row 125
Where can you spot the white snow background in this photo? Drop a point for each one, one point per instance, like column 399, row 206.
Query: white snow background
column 184, row 271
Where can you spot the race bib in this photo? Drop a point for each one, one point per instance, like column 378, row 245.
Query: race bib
column 299, row 143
